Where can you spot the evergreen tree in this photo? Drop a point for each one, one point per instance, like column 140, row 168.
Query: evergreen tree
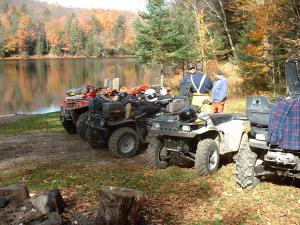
column 40, row 47
column 118, row 32
column 4, row 6
column 24, row 9
column 75, row 35
column 164, row 38
column 93, row 45
column 2, row 41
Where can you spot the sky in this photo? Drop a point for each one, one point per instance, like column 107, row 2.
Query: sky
column 131, row 5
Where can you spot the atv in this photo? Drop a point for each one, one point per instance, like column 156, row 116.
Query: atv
column 123, row 124
column 196, row 136
column 260, row 156
column 74, row 108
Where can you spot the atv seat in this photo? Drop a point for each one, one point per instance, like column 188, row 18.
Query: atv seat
column 219, row 118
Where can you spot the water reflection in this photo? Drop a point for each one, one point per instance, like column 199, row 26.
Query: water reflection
column 38, row 86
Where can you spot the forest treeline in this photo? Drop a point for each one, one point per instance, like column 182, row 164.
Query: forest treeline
column 34, row 28
column 258, row 35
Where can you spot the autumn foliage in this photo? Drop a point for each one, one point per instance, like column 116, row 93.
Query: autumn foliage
column 37, row 28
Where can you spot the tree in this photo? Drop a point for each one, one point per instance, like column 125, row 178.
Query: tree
column 55, row 36
column 4, row 6
column 25, row 35
column 41, row 44
column 24, row 9
column 215, row 10
column 268, row 40
column 164, row 38
column 118, row 32
column 75, row 35
column 2, row 41
column 93, row 45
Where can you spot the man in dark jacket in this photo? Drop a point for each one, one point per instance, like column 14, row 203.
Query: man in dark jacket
column 197, row 84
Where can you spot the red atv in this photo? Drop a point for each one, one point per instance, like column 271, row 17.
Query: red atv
column 74, row 108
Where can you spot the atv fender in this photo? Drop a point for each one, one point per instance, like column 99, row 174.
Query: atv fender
column 209, row 133
column 232, row 134
column 128, row 122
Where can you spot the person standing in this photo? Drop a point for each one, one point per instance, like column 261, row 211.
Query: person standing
column 219, row 91
column 198, row 85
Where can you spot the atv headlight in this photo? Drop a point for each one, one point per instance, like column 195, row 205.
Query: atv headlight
column 102, row 122
column 186, row 128
column 156, row 125
column 260, row 137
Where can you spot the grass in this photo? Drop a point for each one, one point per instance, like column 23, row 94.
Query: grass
column 235, row 104
column 75, row 174
column 179, row 195
column 33, row 124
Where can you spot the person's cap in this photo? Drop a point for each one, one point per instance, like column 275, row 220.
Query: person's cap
column 191, row 67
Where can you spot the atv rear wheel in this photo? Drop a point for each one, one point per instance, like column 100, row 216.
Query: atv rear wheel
column 95, row 138
column 207, row 157
column 158, row 156
column 81, row 126
column 69, row 126
column 245, row 164
column 124, row 142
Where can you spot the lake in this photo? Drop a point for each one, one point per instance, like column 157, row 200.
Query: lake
column 38, row 86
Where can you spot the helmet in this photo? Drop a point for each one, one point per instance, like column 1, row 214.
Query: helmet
column 188, row 115
column 151, row 95
column 163, row 91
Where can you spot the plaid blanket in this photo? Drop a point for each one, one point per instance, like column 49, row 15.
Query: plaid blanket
column 284, row 125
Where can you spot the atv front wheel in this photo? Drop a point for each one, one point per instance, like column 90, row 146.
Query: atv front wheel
column 245, row 164
column 94, row 137
column 81, row 126
column 158, row 156
column 69, row 126
column 124, row 142
column 207, row 157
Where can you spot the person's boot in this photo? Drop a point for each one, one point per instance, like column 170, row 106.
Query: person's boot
column 127, row 111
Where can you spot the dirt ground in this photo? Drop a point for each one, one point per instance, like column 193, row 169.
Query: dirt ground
column 35, row 151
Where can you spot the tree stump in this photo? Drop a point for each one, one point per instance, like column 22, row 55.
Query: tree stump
column 119, row 206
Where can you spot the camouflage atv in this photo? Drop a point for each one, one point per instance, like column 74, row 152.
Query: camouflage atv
column 122, row 124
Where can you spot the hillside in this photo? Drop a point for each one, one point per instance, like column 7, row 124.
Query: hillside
column 50, row 23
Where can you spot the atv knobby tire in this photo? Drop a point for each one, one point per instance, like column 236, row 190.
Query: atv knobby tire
column 245, row 164
column 81, row 125
column 156, row 160
column 124, row 142
column 95, row 138
column 207, row 157
column 69, row 126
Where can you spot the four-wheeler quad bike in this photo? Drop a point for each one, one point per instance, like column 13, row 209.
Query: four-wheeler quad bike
column 195, row 135
column 123, row 124
column 259, row 157
column 74, row 108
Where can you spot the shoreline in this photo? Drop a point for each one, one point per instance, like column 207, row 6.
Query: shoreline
column 65, row 57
